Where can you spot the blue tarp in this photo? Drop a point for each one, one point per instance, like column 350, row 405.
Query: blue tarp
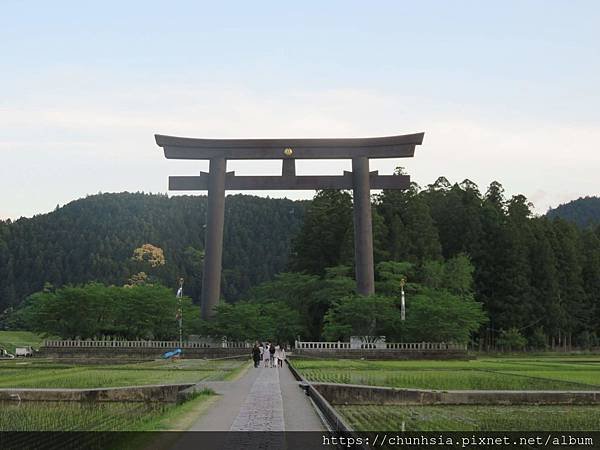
column 172, row 353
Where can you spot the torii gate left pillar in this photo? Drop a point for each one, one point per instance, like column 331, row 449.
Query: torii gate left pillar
column 217, row 181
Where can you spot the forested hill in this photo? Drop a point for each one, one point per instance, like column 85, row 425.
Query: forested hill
column 94, row 239
column 584, row 211
column 538, row 275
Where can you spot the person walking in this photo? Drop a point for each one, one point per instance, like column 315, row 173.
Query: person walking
column 272, row 355
column 266, row 355
column 281, row 357
column 256, row 354
column 278, row 355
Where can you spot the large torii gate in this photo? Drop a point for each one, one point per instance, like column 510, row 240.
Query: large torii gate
column 218, row 180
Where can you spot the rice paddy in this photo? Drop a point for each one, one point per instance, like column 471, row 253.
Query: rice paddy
column 107, row 416
column 525, row 373
column 487, row 373
column 76, row 416
column 472, row 418
column 94, row 426
column 34, row 373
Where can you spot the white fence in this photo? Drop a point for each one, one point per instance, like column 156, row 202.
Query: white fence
column 402, row 346
column 142, row 344
column 299, row 345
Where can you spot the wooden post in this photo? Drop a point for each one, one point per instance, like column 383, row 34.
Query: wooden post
column 363, row 227
column 213, row 246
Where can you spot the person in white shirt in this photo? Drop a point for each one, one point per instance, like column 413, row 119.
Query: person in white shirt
column 266, row 355
column 280, row 355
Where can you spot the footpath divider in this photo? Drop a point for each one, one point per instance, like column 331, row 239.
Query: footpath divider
column 334, row 421
column 162, row 393
column 351, row 394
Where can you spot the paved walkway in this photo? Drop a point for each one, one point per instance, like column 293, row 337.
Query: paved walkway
column 263, row 399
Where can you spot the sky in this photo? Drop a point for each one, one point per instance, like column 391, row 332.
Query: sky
column 505, row 91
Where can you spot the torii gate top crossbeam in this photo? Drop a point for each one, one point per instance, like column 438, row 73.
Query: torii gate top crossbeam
column 315, row 148
column 218, row 180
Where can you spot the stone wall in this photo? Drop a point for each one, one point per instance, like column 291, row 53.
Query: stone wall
column 149, row 353
column 349, row 394
column 137, row 353
column 377, row 354
column 168, row 393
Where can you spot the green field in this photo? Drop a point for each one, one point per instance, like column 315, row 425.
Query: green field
column 98, row 417
column 35, row 373
column 72, row 416
column 507, row 373
column 514, row 373
column 108, row 416
column 472, row 418
column 11, row 339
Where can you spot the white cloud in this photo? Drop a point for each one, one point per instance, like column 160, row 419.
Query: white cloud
column 100, row 138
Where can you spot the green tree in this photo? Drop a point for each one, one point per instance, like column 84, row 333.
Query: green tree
column 326, row 238
column 439, row 316
column 392, row 274
column 361, row 316
column 310, row 295
column 511, row 340
column 538, row 339
column 92, row 239
column 454, row 274
column 569, row 255
column 251, row 321
column 456, row 212
column 591, row 278
column 412, row 234
column 95, row 310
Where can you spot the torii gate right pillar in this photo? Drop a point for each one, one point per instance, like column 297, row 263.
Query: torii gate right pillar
column 363, row 227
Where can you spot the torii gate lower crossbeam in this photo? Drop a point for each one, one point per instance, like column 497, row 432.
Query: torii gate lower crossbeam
column 218, row 180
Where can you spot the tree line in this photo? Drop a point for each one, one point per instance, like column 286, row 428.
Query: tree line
column 537, row 277
column 441, row 308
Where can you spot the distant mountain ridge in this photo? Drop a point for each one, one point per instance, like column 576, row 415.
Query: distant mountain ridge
column 585, row 211
column 93, row 239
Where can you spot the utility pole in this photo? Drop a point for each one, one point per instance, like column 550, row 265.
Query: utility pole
column 402, row 300
column 179, row 315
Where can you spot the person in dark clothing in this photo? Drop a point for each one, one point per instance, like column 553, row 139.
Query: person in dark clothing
column 256, row 354
column 272, row 355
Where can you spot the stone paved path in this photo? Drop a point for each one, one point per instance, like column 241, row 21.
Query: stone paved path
column 263, row 408
column 263, row 399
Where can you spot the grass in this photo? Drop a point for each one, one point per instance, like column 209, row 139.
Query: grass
column 472, row 418
column 182, row 417
column 502, row 373
column 11, row 339
column 108, row 416
column 514, row 373
column 33, row 373
column 76, row 416
column 98, row 417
